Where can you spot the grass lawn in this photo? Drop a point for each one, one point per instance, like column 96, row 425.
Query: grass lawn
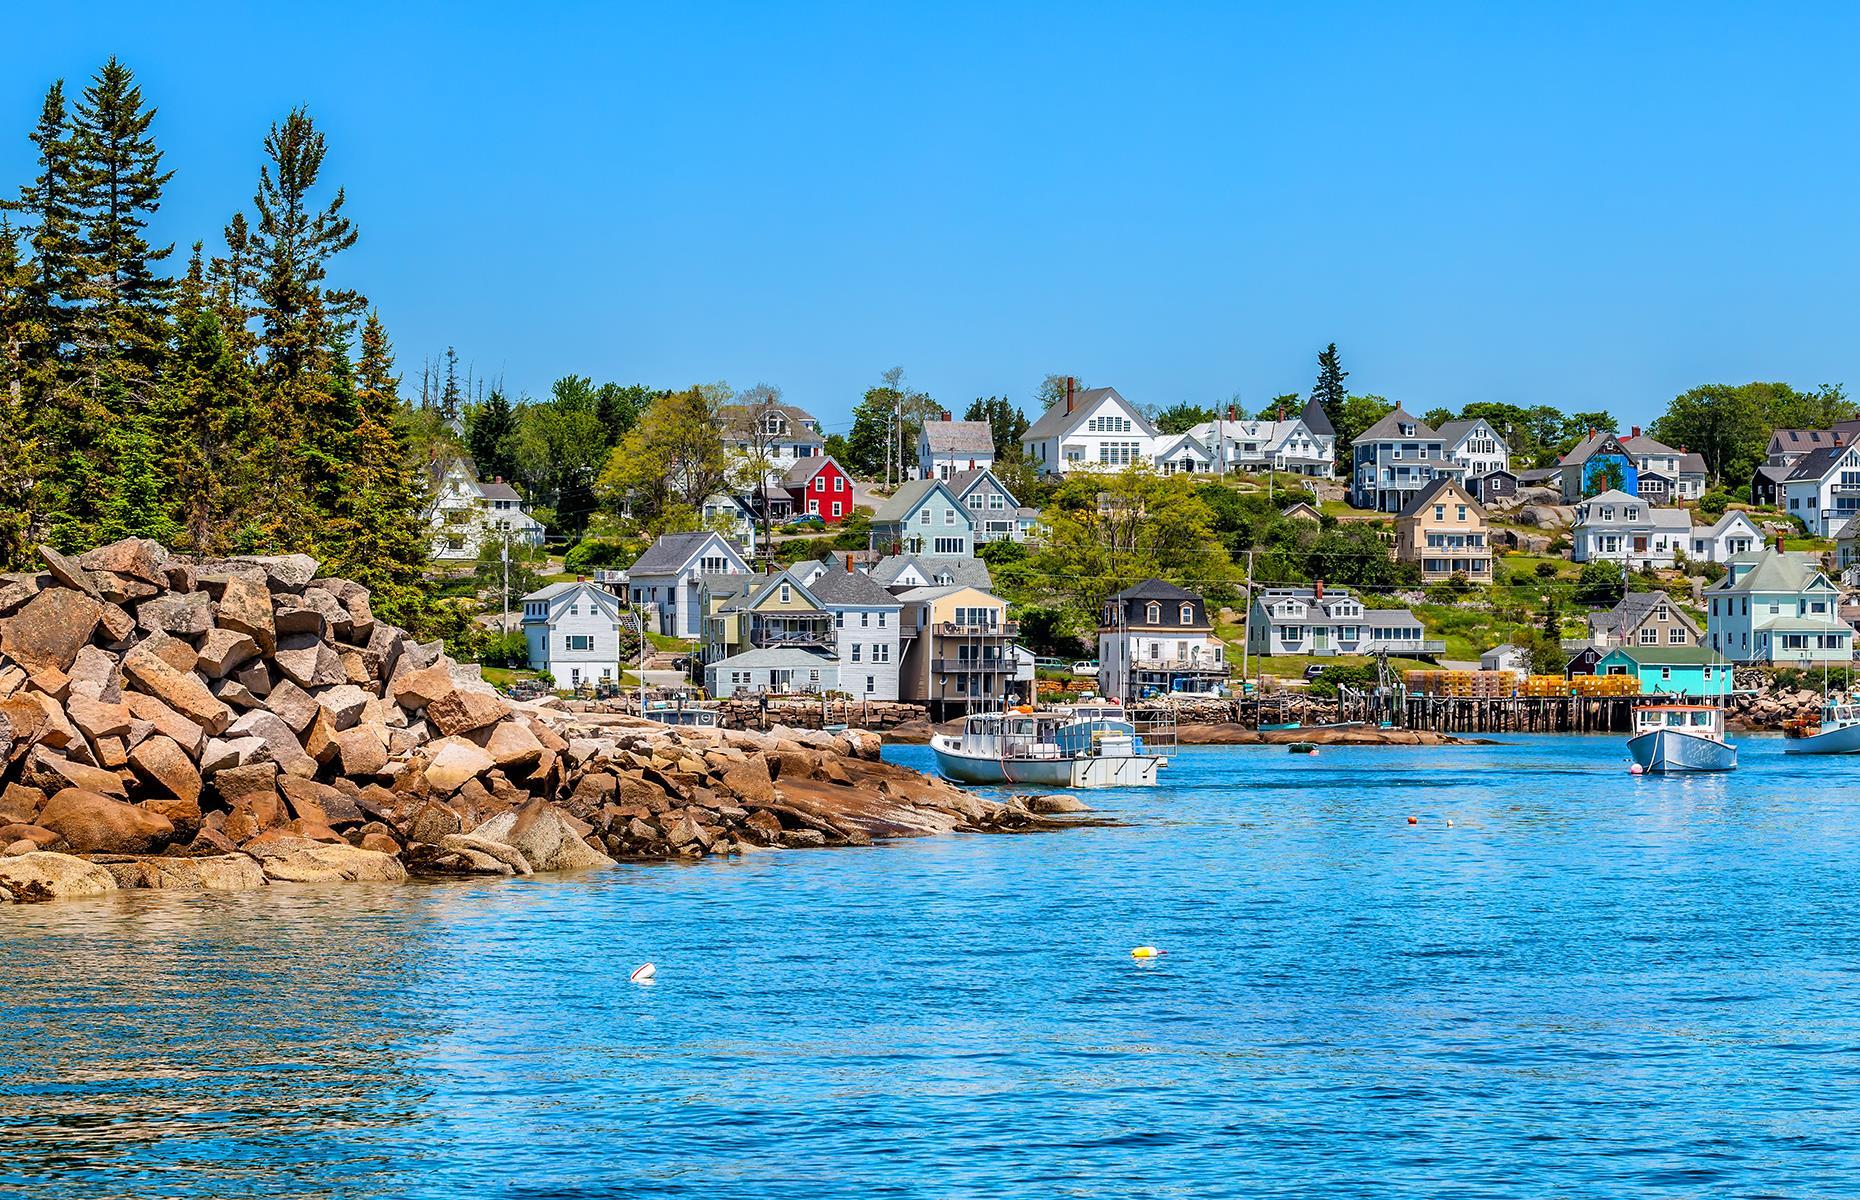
column 1527, row 564
column 1292, row 666
column 1817, row 545
column 503, row 677
column 666, row 641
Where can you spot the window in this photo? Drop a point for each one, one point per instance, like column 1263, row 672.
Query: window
column 855, row 651
column 579, row 641
column 881, row 652
column 836, row 508
column 839, row 483
column 1188, row 614
column 813, row 506
column 923, row 516
column 1152, row 615
column 1676, row 636
column 864, row 619
column 948, row 546
column 881, row 619
column 786, row 593
column 949, row 516
column 975, row 501
column 871, row 685
column 1649, row 636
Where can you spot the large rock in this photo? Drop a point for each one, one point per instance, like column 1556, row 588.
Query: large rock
column 183, row 614
column 416, row 689
column 68, row 572
column 281, row 744
column 94, row 824
column 512, row 745
column 296, row 707
column 210, row 873
column 160, row 760
column 97, row 719
column 544, row 837
column 225, row 651
column 48, row 630
column 184, row 692
column 461, row 711
column 53, row 772
column 41, row 875
column 300, row 860
column 362, row 752
column 138, row 558
column 453, row 762
column 167, row 722
column 96, row 674
column 343, row 703
column 283, row 572
column 245, row 607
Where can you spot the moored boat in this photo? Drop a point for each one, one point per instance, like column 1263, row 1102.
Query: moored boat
column 1837, row 731
column 1074, row 746
column 1679, row 739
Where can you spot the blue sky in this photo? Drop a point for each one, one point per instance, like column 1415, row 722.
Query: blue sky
column 1586, row 206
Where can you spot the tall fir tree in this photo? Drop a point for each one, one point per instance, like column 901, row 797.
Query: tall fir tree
column 1328, row 391
column 206, row 415
column 19, row 463
column 451, row 399
column 488, row 437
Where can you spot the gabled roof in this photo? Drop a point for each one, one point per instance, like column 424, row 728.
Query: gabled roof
column 1315, row 420
column 909, row 498
column 1388, row 429
column 779, row 657
column 1301, row 510
column 1800, row 441
column 959, row 437
column 1632, row 609
column 969, row 572
column 672, row 552
column 498, row 490
column 804, row 469
column 560, row 589
column 842, row 588
column 1182, row 441
column 1427, row 495
column 1640, row 443
column 755, row 596
column 1056, row 421
column 1815, row 464
column 1668, row 656
column 736, row 419
column 1730, row 518
column 1770, row 571
column 1588, row 447
column 1691, row 464
column 964, row 482
column 1155, row 589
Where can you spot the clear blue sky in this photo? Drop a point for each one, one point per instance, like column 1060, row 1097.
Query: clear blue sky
column 1586, row 206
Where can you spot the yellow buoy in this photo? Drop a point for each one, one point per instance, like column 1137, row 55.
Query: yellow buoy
column 1146, row 952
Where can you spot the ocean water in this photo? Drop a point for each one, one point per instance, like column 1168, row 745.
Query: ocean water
column 1585, row 985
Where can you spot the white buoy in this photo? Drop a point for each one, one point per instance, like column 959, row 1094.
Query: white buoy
column 645, row 973
column 1636, row 769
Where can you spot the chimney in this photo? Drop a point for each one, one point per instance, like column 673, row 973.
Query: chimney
column 1230, row 413
column 1779, row 542
column 1636, row 431
column 1071, row 385
column 946, row 415
column 1318, row 590
column 849, row 558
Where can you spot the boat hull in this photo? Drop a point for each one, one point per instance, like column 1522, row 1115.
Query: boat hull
column 1845, row 740
column 1676, row 752
column 1102, row 771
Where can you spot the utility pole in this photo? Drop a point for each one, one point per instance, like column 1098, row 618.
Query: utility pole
column 1246, row 623
column 506, row 557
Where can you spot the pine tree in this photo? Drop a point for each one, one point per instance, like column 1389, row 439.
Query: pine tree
column 451, row 400
column 206, row 417
column 1328, row 391
column 379, row 534
column 487, row 437
column 19, row 464
column 123, row 331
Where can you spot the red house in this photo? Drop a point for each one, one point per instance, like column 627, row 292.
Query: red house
column 820, row 486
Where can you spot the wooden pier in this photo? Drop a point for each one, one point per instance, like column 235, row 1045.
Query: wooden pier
column 1443, row 714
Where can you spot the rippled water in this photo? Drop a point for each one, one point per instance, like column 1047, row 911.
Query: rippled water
column 1586, row 985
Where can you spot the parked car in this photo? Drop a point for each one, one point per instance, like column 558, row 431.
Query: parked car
column 1314, row 671
column 807, row 521
column 1084, row 668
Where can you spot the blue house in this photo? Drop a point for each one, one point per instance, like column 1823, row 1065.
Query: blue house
column 1670, row 670
column 1599, row 463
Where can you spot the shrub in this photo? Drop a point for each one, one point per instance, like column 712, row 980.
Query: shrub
column 1546, row 570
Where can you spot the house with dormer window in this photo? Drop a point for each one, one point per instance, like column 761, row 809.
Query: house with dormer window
column 1155, row 638
column 1476, row 446
column 666, row 582
column 788, row 434
column 1395, row 458
column 1325, row 622
column 1304, row 445
column 994, row 512
column 1092, row 429
column 573, row 632
column 1617, row 527
column 924, row 517
column 1823, row 488
column 1777, row 607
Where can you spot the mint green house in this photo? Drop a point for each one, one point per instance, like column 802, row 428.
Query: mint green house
column 1670, row 670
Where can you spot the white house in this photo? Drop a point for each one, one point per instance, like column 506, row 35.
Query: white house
column 866, row 632
column 466, row 513
column 665, row 581
column 1823, row 488
column 1324, row 622
column 1155, row 638
column 1182, row 454
column 946, row 447
column 901, row 572
column 1088, row 429
column 787, row 434
column 1476, row 446
column 1617, row 527
column 924, row 517
column 1733, row 534
column 1305, row 444
column 573, row 631
column 777, row 669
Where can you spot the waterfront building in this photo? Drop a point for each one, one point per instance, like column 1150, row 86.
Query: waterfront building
column 573, row 632
column 867, row 635
column 1777, row 607
column 1614, row 526
column 957, row 649
column 1644, row 619
column 946, row 447
column 924, row 517
column 1822, row 489
column 1731, row 535
column 1091, row 429
column 820, row 486
column 666, row 581
column 1505, row 658
column 777, row 670
column 1670, row 670
column 1325, row 622
column 466, row 514
column 1156, row 637
column 1443, row 529
column 1395, row 458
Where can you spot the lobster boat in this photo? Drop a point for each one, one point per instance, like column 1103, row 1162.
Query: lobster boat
column 1680, row 739
column 1067, row 746
column 1837, row 731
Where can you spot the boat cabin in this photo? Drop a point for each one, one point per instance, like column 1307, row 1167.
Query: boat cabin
column 1701, row 720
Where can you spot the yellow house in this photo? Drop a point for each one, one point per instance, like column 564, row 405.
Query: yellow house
column 1443, row 528
column 956, row 648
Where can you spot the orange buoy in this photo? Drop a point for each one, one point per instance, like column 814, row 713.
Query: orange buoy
column 1414, row 820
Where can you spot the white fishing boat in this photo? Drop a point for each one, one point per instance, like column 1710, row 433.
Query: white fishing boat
column 1837, row 732
column 698, row 714
column 1677, row 739
column 1071, row 746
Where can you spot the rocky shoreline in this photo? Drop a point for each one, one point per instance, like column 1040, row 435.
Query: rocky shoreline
column 228, row 724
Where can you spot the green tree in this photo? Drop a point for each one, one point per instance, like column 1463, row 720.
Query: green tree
column 1006, row 423
column 490, row 433
column 1730, row 425
column 1353, row 417
column 1604, row 477
column 673, row 458
column 1180, row 418
column 1328, row 390
column 1106, row 532
column 1282, row 407
column 1600, row 585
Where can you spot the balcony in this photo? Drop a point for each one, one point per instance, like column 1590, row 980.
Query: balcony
column 1180, row 666
column 1005, row 630
column 972, row 666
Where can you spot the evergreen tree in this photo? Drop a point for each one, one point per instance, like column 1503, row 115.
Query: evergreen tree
column 1328, row 391
column 136, row 487
column 123, row 330
column 1006, row 423
column 206, row 417
column 19, row 465
column 451, row 400
column 488, row 436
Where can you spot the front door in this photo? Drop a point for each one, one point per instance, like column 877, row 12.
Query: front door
column 1320, row 640
column 779, row 680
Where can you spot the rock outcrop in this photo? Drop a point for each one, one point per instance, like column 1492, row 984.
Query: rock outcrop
column 230, row 723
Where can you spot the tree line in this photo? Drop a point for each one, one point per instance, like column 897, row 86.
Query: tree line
column 244, row 402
